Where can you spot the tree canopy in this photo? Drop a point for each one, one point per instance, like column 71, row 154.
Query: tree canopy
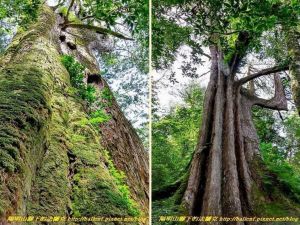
column 235, row 26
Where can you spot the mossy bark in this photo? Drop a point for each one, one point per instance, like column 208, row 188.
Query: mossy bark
column 117, row 135
column 50, row 162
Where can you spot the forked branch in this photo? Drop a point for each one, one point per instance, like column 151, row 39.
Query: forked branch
column 97, row 29
column 278, row 102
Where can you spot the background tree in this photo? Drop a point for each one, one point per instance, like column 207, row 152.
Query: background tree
column 174, row 136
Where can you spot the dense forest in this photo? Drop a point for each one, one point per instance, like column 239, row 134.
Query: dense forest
column 231, row 148
column 66, row 147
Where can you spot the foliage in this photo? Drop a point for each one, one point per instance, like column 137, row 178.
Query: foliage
column 76, row 71
column 285, row 173
column 292, row 140
column 280, row 150
column 164, row 207
column 174, row 138
column 266, row 126
column 20, row 12
column 130, row 17
column 107, row 96
column 88, row 92
column 234, row 26
column 15, row 15
column 168, row 37
column 134, row 14
column 95, row 118
column 119, row 177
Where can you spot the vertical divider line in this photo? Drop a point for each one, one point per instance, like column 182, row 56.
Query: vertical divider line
column 150, row 111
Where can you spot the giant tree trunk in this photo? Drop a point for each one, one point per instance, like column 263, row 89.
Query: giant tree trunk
column 50, row 162
column 223, row 172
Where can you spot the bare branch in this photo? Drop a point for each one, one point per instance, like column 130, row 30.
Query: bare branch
column 87, row 17
column 100, row 30
column 228, row 33
column 206, row 55
column 280, row 115
column 201, row 75
column 263, row 72
column 278, row 102
column 60, row 3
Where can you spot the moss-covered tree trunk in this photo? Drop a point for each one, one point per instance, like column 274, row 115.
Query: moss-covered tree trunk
column 51, row 163
column 225, row 177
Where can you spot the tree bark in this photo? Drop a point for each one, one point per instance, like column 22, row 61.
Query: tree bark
column 222, row 173
column 117, row 135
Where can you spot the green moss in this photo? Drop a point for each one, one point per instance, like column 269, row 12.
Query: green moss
column 72, row 17
column 24, row 110
column 93, row 194
column 119, row 178
column 52, row 160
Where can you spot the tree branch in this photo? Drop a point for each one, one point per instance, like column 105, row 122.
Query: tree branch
column 263, row 72
column 69, row 9
column 280, row 115
column 60, row 3
column 100, row 30
column 278, row 102
column 87, row 17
